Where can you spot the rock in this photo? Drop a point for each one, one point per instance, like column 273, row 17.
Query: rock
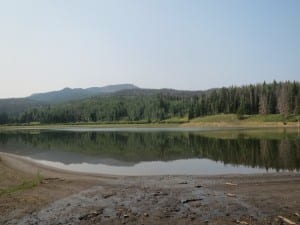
column 197, row 204
column 183, row 182
column 192, row 218
column 191, row 200
column 160, row 194
column 107, row 195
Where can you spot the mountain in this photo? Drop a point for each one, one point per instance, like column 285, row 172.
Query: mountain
column 69, row 94
column 168, row 105
column 16, row 106
column 126, row 102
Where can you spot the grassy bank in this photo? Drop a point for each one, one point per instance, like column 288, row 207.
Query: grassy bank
column 26, row 184
column 15, row 181
column 231, row 120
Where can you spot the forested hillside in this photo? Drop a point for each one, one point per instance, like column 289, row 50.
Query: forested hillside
column 12, row 109
column 158, row 105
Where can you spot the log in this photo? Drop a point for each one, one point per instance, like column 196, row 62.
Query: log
column 231, row 195
column 91, row 215
column 286, row 220
column 230, row 184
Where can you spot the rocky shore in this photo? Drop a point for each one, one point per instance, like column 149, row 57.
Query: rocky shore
column 63, row 197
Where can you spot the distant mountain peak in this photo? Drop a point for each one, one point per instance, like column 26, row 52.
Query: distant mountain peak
column 66, row 89
column 69, row 94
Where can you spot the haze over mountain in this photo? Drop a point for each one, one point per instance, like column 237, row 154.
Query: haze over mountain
column 69, row 94
column 15, row 106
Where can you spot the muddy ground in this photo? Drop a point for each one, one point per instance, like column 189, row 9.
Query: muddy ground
column 63, row 197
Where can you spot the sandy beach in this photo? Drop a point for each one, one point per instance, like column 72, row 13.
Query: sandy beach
column 64, row 197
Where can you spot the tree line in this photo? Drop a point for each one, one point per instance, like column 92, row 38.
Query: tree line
column 271, row 98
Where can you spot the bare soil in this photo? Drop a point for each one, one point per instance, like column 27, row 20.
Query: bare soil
column 64, row 197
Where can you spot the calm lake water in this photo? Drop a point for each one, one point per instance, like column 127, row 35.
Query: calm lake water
column 159, row 151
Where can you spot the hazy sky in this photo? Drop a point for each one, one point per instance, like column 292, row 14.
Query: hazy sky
column 186, row 44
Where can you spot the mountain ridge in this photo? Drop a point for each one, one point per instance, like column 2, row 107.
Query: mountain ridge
column 129, row 102
column 15, row 106
column 70, row 94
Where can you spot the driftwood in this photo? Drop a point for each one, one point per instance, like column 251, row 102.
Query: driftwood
column 108, row 195
column 230, row 184
column 191, row 200
column 286, row 220
column 91, row 215
column 242, row 222
column 231, row 195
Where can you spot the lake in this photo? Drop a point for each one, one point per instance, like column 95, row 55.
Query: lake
column 159, row 151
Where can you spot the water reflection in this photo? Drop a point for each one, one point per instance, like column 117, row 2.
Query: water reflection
column 126, row 149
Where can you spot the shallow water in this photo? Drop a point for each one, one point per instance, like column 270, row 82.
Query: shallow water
column 156, row 151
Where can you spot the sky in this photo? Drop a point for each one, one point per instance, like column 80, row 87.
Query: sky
column 183, row 44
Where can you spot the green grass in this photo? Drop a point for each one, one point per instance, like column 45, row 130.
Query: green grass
column 217, row 118
column 176, row 120
column 26, row 184
column 34, row 123
column 232, row 118
column 273, row 118
column 268, row 118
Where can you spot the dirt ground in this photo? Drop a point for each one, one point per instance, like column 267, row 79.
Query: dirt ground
column 63, row 197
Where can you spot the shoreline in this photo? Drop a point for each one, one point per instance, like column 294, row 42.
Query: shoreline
column 83, row 198
column 186, row 125
column 30, row 166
